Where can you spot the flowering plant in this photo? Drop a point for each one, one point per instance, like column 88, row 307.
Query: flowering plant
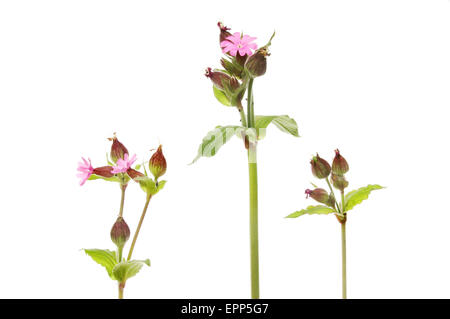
column 120, row 170
column 322, row 170
column 242, row 63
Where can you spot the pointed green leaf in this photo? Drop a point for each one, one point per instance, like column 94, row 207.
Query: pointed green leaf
column 283, row 122
column 108, row 179
column 221, row 96
column 214, row 140
column 104, row 257
column 160, row 186
column 127, row 269
column 356, row 196
column 319, row 209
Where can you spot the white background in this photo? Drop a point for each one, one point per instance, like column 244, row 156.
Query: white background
column 369, row 77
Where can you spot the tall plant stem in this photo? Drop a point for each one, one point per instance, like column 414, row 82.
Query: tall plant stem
column 253, row 187
column 344, row 261
column 149, row 196
column 254, row 253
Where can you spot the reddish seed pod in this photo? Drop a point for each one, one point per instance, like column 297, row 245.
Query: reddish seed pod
column 339, row 182
column 157, row 163
column 118, row 150
column 320, row 167
column 120, row 232
column 104, row 171
column 340, row 165
column 223, row 32
column 134, row 173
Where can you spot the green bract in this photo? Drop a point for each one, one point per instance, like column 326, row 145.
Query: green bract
column 221, row 97
column 149, row 186
column 319, row 209
column 283, row 122
column 119, row 271
column 356, row 196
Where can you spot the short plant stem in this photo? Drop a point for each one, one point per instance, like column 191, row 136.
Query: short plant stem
column 123, row 187
column 254, row 254
column 121, row 286
column 120, row 251
column 344, row 261
column 149, row 196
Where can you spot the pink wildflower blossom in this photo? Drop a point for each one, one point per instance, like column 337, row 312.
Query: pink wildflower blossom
column 85, row 170
column 238, row 43
column 124, row 164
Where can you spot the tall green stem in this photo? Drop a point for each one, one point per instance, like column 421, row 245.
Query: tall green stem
column 253, row 187
column 254, row 254
column 149, row 196
column 344, row 261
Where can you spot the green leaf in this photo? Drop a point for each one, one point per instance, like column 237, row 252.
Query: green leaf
column 283, row 122
column 356, row 196
column 127, row 269
column 137, row 167
column 214, row 140
column 148, row 185
column 319, row 209
column 104, row 257
column 160, row 186
column 221, row 96
column 108, row 179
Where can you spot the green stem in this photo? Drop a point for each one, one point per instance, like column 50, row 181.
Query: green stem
column 254, row 255
column 121, row 286
column 123, row 187
column 253, row 187
column 149, row 196
column 250, row 113
column 242, row 113
column 332, row 192
column 344, row 261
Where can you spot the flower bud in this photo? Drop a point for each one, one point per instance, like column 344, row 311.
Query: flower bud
column 256, row 64
column 320, row 167
column 117, row 149
column 339, row 182
column 321, row 195
column 120, row 232
column 223, row 32
column 340, row 165
column 220, row 79
column 104, row 171
column 232, row 67
column 157, row 163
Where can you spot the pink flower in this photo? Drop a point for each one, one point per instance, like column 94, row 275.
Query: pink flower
column 238, row 43
column 123, row 164
column 85, row 170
